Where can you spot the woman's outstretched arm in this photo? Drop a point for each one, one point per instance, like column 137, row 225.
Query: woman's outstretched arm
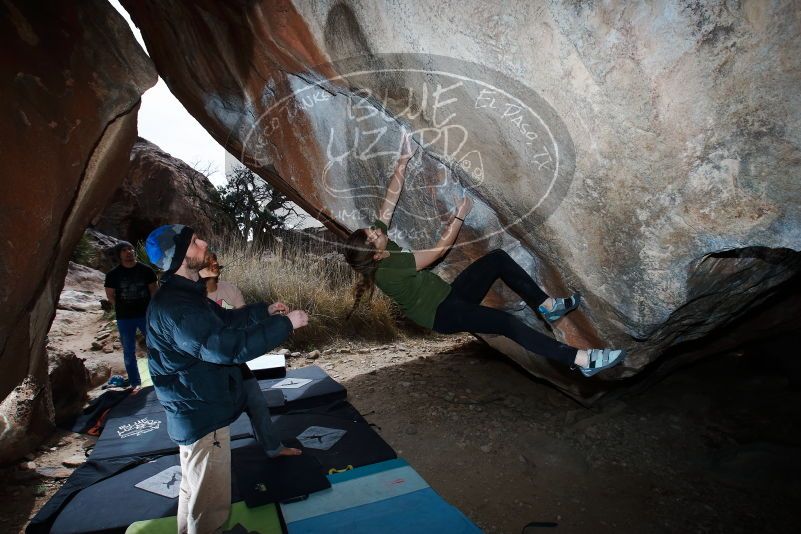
column 396, row 182
column 424, row 258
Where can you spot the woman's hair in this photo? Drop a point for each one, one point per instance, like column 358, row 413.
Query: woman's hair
column 359, row 255
column 213, row 257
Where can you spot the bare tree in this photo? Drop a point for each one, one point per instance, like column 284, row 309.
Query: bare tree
column 256, row 207
column 209, row 198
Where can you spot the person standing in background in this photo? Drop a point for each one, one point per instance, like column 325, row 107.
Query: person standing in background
column 225, row 294
column 129, row 287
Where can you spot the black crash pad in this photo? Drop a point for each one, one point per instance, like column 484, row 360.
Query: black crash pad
column 321, row 389
column 146, row 435
column 359, row 445
column 84, row 476
column 143, row 403
column 262, row 480
column 113, row 503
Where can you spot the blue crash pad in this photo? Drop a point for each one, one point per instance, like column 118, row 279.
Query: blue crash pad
column 388, row 497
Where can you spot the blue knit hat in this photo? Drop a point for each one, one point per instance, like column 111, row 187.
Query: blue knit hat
column 166, row 246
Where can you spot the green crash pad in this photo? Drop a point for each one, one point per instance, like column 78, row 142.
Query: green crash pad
column 261, row 519
column 144, row 372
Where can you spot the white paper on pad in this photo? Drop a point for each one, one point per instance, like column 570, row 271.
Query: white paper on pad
column 267, row 361
column 291, row 383
column 167, row 483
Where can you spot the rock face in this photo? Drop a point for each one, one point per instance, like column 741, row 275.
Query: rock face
column 72, row 77
column 97, row 254
column 69, row 382
column 160, row 189
column 65, row 392
column 647, row 155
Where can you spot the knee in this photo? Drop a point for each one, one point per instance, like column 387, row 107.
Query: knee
column 513, row 324
column 499, row 258
column 499, row 254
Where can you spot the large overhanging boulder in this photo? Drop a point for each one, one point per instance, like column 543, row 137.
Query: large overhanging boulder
column 72, row 77
column 645, row 155
column 160, row 189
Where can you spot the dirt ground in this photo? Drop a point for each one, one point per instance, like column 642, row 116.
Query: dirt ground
column 711, row 448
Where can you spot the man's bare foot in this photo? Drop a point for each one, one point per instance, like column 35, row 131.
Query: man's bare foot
column 289, row 451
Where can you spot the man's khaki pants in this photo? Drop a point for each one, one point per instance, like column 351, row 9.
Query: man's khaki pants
column 205, row 498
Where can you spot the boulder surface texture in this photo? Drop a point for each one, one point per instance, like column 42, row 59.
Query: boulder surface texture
column 72, row 77
column 160, row 189
column 646, row 154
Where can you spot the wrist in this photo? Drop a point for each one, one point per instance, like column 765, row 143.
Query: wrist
column 459, row 218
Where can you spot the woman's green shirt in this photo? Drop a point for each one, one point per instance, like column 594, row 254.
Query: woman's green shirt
column 418, row 293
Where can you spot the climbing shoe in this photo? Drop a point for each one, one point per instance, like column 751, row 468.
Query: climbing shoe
column 561, row 307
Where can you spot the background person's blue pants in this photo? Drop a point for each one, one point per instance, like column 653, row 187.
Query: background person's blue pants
column 127, row 328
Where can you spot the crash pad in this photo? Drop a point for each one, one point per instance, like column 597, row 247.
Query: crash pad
column 389, row 497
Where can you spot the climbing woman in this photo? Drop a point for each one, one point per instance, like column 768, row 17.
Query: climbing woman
column 446, row 308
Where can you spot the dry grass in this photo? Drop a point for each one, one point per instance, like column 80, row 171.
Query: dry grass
column 321, row 285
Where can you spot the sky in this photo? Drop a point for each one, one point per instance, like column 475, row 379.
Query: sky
column 163, row 120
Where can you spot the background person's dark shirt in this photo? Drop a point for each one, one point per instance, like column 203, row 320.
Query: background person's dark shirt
column 130, row 288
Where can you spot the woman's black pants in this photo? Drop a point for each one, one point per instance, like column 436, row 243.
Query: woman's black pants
column 461, row 311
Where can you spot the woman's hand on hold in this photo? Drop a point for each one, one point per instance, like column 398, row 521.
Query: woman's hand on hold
column 299, row 318
column 277, row 308
column 406, row 148
column 464, row 207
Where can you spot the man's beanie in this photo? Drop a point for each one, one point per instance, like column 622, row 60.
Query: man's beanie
column 166, row 246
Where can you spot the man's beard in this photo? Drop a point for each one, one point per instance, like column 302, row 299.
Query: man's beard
column 194, row 264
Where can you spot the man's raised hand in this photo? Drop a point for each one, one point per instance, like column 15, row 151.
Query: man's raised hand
column 277, row 308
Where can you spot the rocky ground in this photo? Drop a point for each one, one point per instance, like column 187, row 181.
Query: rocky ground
column 712, row 448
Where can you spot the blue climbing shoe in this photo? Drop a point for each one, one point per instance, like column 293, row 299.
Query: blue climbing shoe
column 117, row 381
column 561, row 307
column 601, row 359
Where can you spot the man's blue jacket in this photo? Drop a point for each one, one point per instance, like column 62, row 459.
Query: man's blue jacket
column 194, row 348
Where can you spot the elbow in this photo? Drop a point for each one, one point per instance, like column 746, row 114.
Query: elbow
column 438, row 254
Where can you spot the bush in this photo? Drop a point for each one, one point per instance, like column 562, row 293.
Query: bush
column 321, row 285
column 142, row 257
column 84, row 253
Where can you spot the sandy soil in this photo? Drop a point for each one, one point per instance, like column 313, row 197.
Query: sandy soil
column 712, row 448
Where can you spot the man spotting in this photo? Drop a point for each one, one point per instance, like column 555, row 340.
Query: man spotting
column 129, row 287
column 195, row 348
column 228, row 296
